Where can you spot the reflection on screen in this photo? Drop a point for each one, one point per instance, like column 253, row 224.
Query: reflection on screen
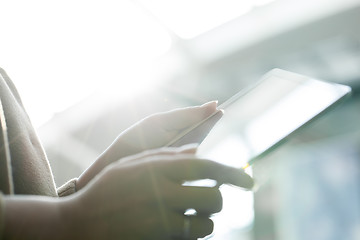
column 262, row 117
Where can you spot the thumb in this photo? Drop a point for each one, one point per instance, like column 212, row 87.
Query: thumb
column 198, row 133
column 182, row 118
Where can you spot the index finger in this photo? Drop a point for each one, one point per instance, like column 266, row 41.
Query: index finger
column 189, row 168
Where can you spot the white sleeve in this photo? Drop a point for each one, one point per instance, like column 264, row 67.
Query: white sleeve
column 68, row 188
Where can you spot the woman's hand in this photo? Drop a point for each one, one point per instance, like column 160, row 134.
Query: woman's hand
column 158, row 130
column 142, row 197
column 153, row 132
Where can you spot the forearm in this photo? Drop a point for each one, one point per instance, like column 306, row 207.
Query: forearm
column 33, row 217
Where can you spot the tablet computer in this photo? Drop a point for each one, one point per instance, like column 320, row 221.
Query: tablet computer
column 258, row 119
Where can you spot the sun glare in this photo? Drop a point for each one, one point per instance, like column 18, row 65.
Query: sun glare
column 61, row 52
column 190, row 18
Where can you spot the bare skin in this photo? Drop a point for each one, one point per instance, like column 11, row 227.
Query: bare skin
column 152, row 132
column 139, row 199
column 133, row 190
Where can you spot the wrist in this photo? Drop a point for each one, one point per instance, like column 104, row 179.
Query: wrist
column 70, row 210
column 79, row 220
column 37, row 217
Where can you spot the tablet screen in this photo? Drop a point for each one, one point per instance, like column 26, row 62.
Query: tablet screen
column 258, row 119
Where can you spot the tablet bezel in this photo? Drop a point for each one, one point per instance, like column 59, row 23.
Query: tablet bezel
column 345, row 91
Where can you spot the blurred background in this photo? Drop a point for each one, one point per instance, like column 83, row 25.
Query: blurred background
column 88, row 69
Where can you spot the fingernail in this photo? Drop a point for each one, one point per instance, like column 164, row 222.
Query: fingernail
column 255, row 187
column 250, row 183
column 210, row 103
column 188, row 147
